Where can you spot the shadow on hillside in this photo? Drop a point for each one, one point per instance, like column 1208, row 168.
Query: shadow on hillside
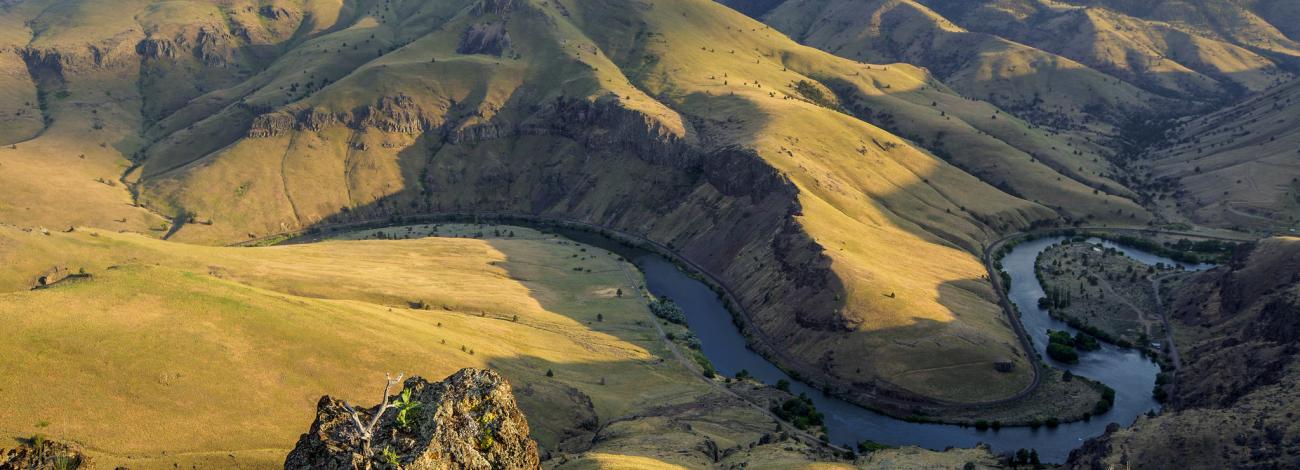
column 724, row 210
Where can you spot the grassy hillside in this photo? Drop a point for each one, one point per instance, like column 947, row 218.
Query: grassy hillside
column 1178, row 47
column 1236, row 167
column 173, row 353
column 1043, row 87
column 1075, row 65
column 797, row 177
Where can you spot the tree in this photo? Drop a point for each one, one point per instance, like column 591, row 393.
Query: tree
column 550, row 373
column 367, row 430
column 1022, row 457
column 619, row 292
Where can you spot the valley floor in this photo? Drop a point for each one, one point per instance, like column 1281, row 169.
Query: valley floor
column 159, row 354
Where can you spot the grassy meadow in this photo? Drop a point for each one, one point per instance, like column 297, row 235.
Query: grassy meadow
column 179, row 354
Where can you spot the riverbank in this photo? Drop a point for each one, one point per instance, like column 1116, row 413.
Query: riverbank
column 1102, row 292
column 1019, row 409
column 847, row 423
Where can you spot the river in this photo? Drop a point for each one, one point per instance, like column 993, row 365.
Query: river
column 1127, row 371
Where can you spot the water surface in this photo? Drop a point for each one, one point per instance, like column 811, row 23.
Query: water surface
column 1127, row 371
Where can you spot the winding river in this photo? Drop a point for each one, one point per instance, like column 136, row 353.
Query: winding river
column 1127, row 371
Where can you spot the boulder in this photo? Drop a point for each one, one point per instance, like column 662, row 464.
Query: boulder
column 468, row 421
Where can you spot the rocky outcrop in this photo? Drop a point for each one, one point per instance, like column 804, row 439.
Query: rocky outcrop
column 493, row 7
column 467, row 421
column 398, row 114
column 40, row 454
column 1251, row 307
column 485, row 38
column 272, row 125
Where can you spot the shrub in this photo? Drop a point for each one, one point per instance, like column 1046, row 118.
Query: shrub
column 1063, row 353
column 1107, row 401
column 666, row 309
column 1086, row 342
column 868, row 446
column 799, row 411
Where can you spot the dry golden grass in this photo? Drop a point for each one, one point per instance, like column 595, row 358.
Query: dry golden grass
column 865, row 203
column 175, row 353
column 893, row 217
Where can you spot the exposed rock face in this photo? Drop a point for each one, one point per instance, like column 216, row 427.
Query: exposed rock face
column 493, row 7
column 44, row 455
column 1251, row 306
column 395, row 114
column 271, row 125
column 485, row 38
column 467, row 421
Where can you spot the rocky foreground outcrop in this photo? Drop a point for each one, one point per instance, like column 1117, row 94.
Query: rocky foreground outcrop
column 40, row 454
column 467, row 421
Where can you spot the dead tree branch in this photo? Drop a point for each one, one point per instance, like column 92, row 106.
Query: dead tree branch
column 367, row 431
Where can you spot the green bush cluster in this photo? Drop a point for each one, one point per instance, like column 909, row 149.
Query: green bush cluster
column 666, row 309
column 1065, row 348
column 799, row 411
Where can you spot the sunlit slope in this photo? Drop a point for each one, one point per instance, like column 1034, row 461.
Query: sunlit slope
column 1190, row 49
column 797, row 177
column 82, row 80
column 1238, row 166
column 1046, row 88
column 172, row 353
column 611, row 115
column 1071, row 64
column 20, row 111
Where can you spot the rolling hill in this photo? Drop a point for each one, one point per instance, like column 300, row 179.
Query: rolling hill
column 796, row 177
column 1237, row 167
column 166, row 354
column 1073, row 65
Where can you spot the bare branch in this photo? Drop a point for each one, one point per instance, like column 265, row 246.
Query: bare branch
column 356, row 420
column 367, row 430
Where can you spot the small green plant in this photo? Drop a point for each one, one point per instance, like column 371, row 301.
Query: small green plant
column 406, row 409
column 390, row 456
column 64, row 463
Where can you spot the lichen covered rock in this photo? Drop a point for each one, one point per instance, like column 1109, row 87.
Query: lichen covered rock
column 468, row 421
